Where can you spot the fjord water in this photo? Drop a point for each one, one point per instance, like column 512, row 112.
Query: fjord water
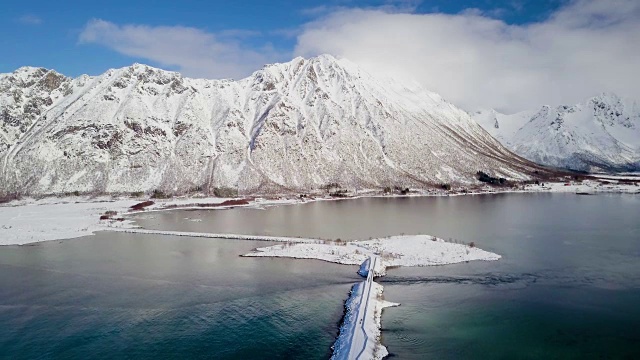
column 568, row 284
column 119, row 295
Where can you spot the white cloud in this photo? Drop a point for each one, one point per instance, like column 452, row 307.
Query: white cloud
column 193, row 51
column 30, row 19
column 473, row 60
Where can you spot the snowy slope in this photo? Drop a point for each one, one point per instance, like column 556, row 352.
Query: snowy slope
column 291, row 126
column 602, row 133
column 503, row 127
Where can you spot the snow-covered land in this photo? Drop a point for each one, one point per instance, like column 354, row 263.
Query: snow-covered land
column 29, row 221
column 603, row 133
column 604, row 185
column 359, row 336
column 350, row 322
column 362, row 338
column 288, row 127
column 406, row 250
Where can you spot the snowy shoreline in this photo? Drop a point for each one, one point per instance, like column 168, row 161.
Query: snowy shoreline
column 30, row 221
column 34, row 220
column 393, row 251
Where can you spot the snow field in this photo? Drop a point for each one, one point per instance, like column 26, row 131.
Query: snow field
column 405, row 250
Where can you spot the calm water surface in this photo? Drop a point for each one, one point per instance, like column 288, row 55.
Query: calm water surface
column 149, row 297
column 568, row 285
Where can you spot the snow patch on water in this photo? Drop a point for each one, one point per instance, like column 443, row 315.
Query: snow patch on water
column 405, row 250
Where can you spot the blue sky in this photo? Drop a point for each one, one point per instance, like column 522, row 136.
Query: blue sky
column 46, row 33
column 510, row 55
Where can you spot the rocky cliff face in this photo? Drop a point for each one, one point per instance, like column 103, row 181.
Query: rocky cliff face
column 293, row 126
column 601, row 134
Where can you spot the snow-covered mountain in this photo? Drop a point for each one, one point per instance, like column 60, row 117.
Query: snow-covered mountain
column 602, row 133
column 293, row 126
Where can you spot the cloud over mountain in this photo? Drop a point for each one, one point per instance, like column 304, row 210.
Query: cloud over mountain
column 475, row 60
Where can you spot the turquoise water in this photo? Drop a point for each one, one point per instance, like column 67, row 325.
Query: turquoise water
column 478, row 321
column 146, row 297
column 567, row 287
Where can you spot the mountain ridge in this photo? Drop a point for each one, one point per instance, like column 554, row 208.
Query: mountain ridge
column 601, row 133
column 291, row 126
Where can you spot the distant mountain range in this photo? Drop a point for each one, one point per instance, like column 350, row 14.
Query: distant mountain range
column 600, row 134
column 295, row 126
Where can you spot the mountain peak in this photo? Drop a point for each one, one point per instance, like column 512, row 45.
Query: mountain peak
column 605, row 100
column 29, row 70
column 144, row 68
column 297, row 125
column 607, row 95
column 37, row 77
column 599, row 133
column 298, row 62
